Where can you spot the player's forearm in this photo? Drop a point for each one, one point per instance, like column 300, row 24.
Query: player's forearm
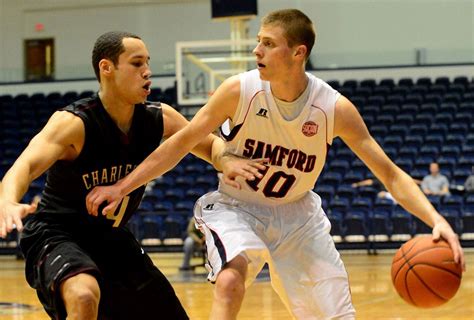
column 410, row 197
column 164, row 158
column 15, row 183
column 218, row 151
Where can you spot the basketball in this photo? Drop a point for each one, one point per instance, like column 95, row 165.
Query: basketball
column 424, row 272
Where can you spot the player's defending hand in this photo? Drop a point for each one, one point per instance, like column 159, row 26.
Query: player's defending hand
column 11, row 214
column 443, row 229
column 233, row 167
column 110, row 195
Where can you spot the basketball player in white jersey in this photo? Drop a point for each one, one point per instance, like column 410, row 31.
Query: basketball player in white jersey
column 281, row 113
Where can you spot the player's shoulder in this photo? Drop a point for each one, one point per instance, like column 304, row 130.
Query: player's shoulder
column 229, row 88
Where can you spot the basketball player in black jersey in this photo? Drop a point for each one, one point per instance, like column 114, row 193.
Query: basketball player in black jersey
column 83, row 266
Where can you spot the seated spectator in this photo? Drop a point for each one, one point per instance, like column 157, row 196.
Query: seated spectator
column 376, row 184
column 435, row 183
column 194, row 241
column 469, row 184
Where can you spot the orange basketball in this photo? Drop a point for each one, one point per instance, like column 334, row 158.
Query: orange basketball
column 424, row 272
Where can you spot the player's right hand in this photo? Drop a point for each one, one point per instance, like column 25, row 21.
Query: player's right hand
column 11, row 214
column 110, row 195
column 249, row 169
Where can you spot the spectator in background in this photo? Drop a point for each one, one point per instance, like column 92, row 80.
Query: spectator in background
column 195, row 240
column 435, row 183
column 376, row 184
column 469, row 184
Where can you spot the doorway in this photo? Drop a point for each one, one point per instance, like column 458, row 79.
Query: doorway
column 39, row 59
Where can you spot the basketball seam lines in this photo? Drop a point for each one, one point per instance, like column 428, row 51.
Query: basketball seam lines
column 424, row 283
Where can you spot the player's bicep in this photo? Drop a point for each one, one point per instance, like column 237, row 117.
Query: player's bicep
column 60, row 139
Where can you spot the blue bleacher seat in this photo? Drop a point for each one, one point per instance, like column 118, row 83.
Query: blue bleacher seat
column 449, row 150
column 387, row 82
column 433, row 98
column 439, row 128
column 340, row 166
column 405, row 164
column 424, row 118
column 430, row 108
column 378, row 130
column 163, row 206
column 402, row 222
column 394, row 100
column 403, row 90
column 406, row 82
column 444, row 117
column 394, row 141
column 453, row 97
column 425, row 81
column 164, row 182
column 435, row 140
column 325, row 191
column 335, row 217
column 352, row 176
column 370, row 83
column 338, row 203
column 381, row 90
column 430, row 150
column 346, row 191
column 184, row 181
column 355, row 224
column 409, row 108
column 152, row 225
column 367, row 192
column 408, row 152
column 460, row 126
column 174, row 194
column 455, row 139
column 362, row 92
column 361, row 203
column 376, row 100
column 379, row 222
column 334, row 83
column 193, row 194
column 442, row 80
column 174, row 226
column 413, row 140
column 414, row 98
column 184, row 207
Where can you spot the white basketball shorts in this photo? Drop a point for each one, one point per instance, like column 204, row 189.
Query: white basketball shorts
column 293, row 239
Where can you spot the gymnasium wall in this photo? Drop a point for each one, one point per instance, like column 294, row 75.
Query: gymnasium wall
column 350, row 32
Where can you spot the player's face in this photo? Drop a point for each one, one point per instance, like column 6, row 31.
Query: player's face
column 132, row 72
column 274, row 57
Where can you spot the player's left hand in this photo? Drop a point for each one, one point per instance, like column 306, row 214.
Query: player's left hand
column 442, row 229
column 111, row 195
column 11, row 214
column 233, row 167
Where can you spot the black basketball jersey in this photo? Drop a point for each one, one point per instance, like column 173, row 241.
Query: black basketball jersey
column 107, row 156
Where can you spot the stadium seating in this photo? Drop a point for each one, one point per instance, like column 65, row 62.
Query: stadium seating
column 417, row 121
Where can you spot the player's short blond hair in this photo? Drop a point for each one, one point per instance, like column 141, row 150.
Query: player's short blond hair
column 298, row 28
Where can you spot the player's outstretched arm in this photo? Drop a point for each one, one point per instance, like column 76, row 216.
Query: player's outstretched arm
column 220, row 107
column 61, row 138
column 350, row 127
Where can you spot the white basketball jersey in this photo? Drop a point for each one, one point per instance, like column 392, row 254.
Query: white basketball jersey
column 297, row 148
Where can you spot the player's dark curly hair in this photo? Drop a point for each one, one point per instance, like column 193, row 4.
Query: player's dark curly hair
column 109, row 46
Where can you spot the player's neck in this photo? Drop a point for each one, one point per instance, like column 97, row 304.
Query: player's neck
column 120, row 111
column 289, row 88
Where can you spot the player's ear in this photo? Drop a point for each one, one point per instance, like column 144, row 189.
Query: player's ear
column 300, row 51
column 105, row 66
